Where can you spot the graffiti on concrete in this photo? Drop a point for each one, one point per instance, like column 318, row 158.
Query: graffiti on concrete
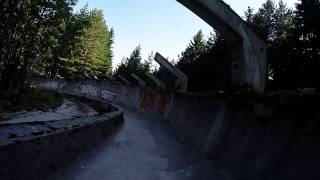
column 84, row 88
column 112, row 96
column 122, row 99
column 89, row 90
column 154, row 100
column 108, row 95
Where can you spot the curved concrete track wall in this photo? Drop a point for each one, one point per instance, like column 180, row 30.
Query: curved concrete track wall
column 273, row 136
column 126, row 96
column 41, row 148
column 252, row 139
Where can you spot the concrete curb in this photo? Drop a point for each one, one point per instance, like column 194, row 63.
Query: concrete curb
column 37, row 157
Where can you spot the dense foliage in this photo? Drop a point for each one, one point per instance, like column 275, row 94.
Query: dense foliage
column 92, row 57
column 134, row 65
column 45, row 38
column 293, row 43
column 293, row 49
column 205, row 62
column 82, row 48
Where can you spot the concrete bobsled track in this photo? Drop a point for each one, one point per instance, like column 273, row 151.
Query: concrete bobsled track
column 142, row 150
column 34, row 149
column 271, row 136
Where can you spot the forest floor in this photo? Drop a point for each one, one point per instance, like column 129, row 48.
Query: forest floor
column 31, row 100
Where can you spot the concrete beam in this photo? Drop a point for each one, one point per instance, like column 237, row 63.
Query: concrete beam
column 249, row 63
column 159, row 83
column 181, row 78
column 140, row 81
column 124, row 80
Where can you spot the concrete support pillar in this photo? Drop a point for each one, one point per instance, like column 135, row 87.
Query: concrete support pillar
column 181, row 79
column 158, row 82
column 140, row 81
column 124, row 80
column 249, row 62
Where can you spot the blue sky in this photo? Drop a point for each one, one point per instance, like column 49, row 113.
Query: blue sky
column 163, row 26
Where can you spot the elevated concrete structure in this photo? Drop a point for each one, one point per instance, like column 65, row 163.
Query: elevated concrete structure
column 181, row 79
column 265, row 137
column 159, row 83
column 141, row 82
column 249, row 56
column 124, row 80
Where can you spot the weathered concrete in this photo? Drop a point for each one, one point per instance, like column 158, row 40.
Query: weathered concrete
column 181, row 79
column 35, row 150
column 68, row 110
column 276, row 138
column 141, row 82
column 143, row 150
column 158, row 82
column 272, row 136
column 126, row 96
column 249, row 57
column 126, row 82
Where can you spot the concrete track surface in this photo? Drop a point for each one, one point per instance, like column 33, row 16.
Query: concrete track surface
column 142, row 150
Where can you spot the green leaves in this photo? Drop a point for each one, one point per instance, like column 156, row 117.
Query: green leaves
column 272, row 21
column 45, row 38
column 97, row 40
column 24, row 29
column 195, row 49
column 84, row 48
column 134, row 64
column 131, row 65
column 293, row 43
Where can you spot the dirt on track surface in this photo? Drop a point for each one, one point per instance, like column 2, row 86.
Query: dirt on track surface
column 142, row 150
column 68, row 110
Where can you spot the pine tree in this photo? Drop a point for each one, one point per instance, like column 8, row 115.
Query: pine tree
column 134, row 64
column 92, row 53
column 283, row 21
column 131, row 65
column 195, row 49
column 307, row 41
column 24, row 25
column 97, row 44
column 249, row 14
column 307, row 23
column 264, row 20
